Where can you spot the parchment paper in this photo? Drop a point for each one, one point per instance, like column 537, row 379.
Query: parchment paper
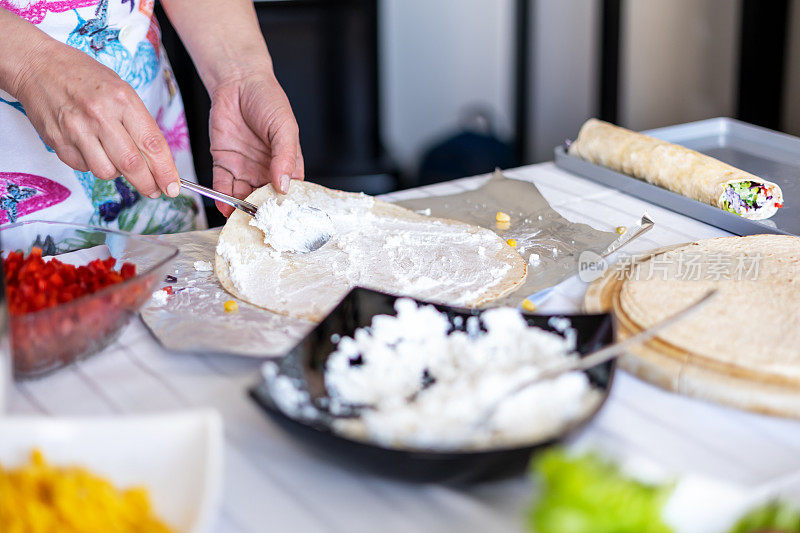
column 193, row 319
column 537, row 228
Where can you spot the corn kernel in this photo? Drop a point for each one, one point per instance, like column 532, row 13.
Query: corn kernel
column 528, row 306
column 503, row 225
column 621, row 229
column 502, row 217
column 231, row 306
column 512, row 242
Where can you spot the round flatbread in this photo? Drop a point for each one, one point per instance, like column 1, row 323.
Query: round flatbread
column 750, row 326
column 376, row 245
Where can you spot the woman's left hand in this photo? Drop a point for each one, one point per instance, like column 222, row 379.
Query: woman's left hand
column 254, row 136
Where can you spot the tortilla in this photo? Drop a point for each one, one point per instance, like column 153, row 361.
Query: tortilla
column 678, row 169
column 751, row 326
column 375, row 245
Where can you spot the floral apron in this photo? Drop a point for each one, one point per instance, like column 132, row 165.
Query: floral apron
column 34, row 184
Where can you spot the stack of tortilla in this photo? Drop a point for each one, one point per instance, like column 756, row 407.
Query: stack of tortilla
column 743, row 348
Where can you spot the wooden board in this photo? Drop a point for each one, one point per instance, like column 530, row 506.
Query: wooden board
column 684, row 372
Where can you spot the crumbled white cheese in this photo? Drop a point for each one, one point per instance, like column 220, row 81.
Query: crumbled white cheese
column 428, row 387
column 203, row 266
column 290, row 398
column 534, row 260
column 159, row 297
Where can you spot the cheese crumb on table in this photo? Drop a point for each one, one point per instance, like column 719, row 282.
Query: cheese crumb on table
column 203, row 266
column 160, row 297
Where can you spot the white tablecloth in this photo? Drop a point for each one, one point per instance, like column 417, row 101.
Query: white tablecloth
column 274, row 483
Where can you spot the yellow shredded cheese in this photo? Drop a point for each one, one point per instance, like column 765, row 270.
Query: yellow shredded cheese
column 231, row 306
column 42, row 498
column 512, row 242
column 528, row 306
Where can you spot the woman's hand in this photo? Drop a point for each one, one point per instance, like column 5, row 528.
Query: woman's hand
column 254, row 136
column 93, row 119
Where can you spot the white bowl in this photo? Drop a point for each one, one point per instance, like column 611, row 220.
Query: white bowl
column 177, row 457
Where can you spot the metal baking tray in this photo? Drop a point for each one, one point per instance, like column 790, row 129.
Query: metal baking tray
column 768, row 154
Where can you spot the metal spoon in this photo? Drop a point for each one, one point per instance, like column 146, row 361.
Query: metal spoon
column 310, row 245
column 344, row 411
column 596, row 358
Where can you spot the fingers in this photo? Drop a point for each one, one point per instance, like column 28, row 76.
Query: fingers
column 115, row 135
column 153, row 147
column 127, row 158
column 241, row 189
column 300, row 166
column 284, row 149
column 223, row 182
column 225, row 209
column 71, row 156
column 96, row 158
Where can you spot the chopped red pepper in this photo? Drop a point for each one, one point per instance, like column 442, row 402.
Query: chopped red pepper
column 778, row 204
column 33, row 284
column 168, row 290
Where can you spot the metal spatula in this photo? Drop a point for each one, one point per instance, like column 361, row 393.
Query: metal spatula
column 584, row 363
column 597, row 357
column 309, row 245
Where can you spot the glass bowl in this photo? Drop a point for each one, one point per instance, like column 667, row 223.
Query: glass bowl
column 46, row 340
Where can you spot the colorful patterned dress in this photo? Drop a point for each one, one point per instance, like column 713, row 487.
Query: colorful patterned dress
column 34, row 184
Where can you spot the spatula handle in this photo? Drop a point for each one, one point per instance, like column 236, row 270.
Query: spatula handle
column 247, row 207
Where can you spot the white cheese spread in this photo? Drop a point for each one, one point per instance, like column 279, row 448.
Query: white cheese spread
column 426, row 258
column 289, row 226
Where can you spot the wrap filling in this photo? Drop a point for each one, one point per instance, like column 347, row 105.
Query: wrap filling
column 746, row 197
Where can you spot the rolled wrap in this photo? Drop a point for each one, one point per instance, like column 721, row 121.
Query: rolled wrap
column 672, row 167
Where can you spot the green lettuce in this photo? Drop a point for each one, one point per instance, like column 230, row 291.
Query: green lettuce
column 587, row 494
column 745, row 192
column 774, row 517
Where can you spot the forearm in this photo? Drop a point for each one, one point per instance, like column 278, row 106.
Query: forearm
column 18, row 50
column 223, row 38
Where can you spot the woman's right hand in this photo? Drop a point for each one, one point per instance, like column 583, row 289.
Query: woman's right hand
column 93, row 119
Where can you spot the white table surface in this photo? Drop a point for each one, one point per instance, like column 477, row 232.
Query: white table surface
column 273, row 483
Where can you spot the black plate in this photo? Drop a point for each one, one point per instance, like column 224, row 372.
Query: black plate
column 356, row 310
